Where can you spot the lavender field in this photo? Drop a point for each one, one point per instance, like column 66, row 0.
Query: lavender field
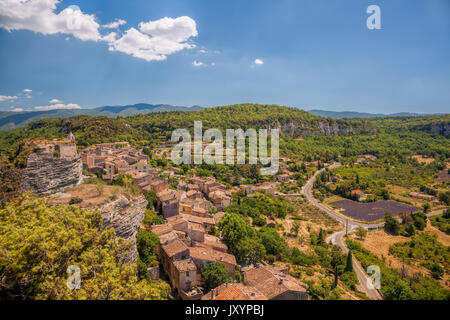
column 373, row 211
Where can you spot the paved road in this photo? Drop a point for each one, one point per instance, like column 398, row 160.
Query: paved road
column 337, row 237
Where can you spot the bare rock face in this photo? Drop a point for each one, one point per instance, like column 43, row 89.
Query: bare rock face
column 46, row 173
column 125, row 216
column 326, row 128
column 442, row 128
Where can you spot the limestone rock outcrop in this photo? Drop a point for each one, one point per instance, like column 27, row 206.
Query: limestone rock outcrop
column 125, row 216
column 46, row 173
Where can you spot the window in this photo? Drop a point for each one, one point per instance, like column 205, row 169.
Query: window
column 187, row 274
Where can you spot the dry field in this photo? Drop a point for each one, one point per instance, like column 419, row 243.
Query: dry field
column 422, row 159
column 88, row 193
column 378, row 242
column 310, row 220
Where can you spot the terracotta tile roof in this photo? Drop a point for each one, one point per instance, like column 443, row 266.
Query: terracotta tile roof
column 209, row 254
column 199, row 210
column 185, row 265
column 199, row 220
column 168, row 237
column 174, row 247
column 166, row 195
column 235, row 291
column 161, row 229
column 196, row 227
column 191, row 193
column 271, row 282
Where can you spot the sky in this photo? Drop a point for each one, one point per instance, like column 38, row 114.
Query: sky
column 311, row 54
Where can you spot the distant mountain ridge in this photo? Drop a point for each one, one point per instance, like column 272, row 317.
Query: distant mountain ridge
column 354, row 114
column 12, row 120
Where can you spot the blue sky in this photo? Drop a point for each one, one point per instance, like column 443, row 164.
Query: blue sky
column 314, row 54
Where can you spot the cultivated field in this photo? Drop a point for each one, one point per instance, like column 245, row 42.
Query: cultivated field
column 373, row 211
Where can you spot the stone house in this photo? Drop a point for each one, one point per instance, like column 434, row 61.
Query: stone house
column 234, row 291
column 274, row 283
column 204, row 255
column 219, row 199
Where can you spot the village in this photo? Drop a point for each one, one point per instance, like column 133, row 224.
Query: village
column 189, row 208
column 191, row 212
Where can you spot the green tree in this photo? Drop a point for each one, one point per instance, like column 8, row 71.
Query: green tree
column 35, row 266
column 150, row 196
column 272, row 241
column 361, row 233
column 295, row 228
column 250, row 251
column 215, row 274
column 349, row 264
column 147, row 243
column 151, row 218
column 9, row 181
column 234, row 228
column 397, row 289
column 445, row 197
column 436, row 271
column 391, row 224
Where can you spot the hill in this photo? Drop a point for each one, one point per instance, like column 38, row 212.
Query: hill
column 146, row 127
column 354, row 114
column 12, row 120
column 304, row 134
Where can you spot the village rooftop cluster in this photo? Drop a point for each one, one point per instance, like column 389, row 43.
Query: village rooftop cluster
column 186, row 244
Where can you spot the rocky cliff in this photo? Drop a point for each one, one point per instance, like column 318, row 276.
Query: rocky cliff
column 327, row 128
column 125, row 216
column 442, row 128
column 46, row 173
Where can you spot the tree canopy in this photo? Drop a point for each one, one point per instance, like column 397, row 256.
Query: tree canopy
column 38, row 243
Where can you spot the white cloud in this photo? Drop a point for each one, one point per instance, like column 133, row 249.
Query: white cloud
column 27, row 90
column 17, row 110
column 197, row 63
column 115, row 24
column 40, row 16
column 58, row 107
column 258, row 62
column 54, row 101
column 176, row 30
column 7, row 98
column 202, row 51
column 155, row 40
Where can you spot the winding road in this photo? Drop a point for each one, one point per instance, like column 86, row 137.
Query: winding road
column 337, row 237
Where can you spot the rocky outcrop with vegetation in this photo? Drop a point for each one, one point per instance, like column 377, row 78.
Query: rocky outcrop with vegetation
column 125, row 216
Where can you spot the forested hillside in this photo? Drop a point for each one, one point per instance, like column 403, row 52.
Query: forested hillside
column 12, row 120
column 304, row 136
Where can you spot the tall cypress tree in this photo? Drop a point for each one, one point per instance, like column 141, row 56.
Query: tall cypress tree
column 349, row 265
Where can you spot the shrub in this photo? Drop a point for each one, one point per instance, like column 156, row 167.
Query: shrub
column 75, row 200
column 350, row 279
